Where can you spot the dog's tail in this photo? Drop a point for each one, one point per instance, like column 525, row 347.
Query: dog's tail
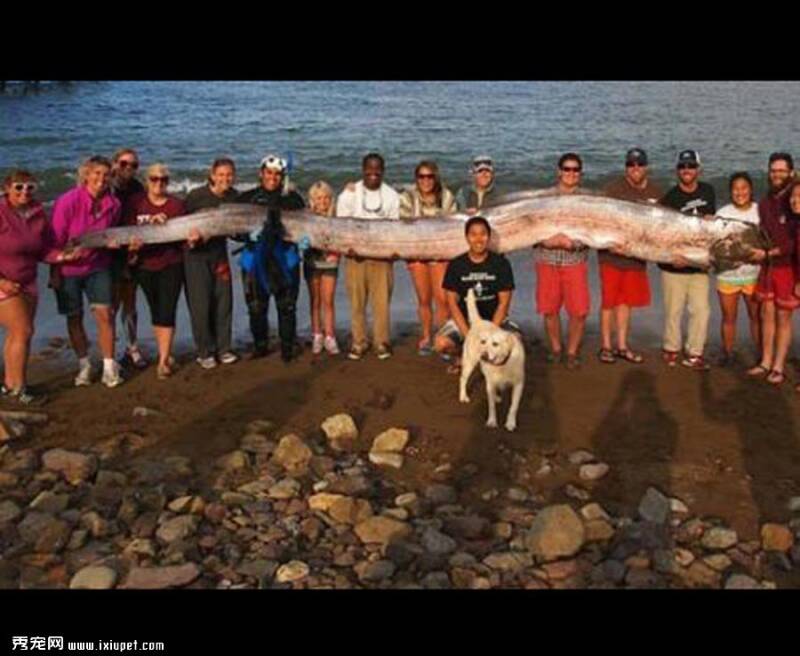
column 472, row 308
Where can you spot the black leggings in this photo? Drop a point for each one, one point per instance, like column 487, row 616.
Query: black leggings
column 162, row 290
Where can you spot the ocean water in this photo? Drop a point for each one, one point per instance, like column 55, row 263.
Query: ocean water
column 328, row 126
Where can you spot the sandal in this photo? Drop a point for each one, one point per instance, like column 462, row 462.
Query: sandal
column 573, row 362
column 776, row 377
column 424, row 348
column 758, row 371
column 554, row 357
column 454, row 369
column 629, row 356
column 606, row 356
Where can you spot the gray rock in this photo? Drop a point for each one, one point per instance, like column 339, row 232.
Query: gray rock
column 438, row 543
column 718, row 562
column 381, row 530
column 557, row 532
column 177, row 528
column 437, row 581
column 258, row 569
column 741, row 582
column 719, row 538
column 581, row 457
column 517, row 494
column 73, row 466
column 44, row 532
column 405, row 500
column 9, row 511
column 141, row 411
column 654, row 506
column 575, row 492
column 462, row 559
column 594, row 511
column 154, row 578
column 440, row 494
column 593, row 471
column 380, row 570
column 233, row 461
column 94, row 577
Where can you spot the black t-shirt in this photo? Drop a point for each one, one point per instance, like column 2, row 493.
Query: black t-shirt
column 487, row 278
column 701, row 201
column 202, row 198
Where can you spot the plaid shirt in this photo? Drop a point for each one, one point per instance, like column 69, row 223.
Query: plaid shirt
column 560, row 256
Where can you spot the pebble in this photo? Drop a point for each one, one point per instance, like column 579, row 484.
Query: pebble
column 557, row 532
column 794, row 504
column 438, row 494
column 385, row 459
column 260, row 426
column 593, row 511
column 741, row 582
column 293, row 454
column 718, row 562
column 719, row 538
column 598, row 530
column 379, row 570
column 9, row 511
column 508, row 561
column 154, row 578
column 73, row 466
column 94, row 578
column 406, row 500
column 381, row 530
column 654, row 506
column 678, row 506
column 285, row 489
column 438, row 543
column 393, row 440
column 776, row 537
column 233, row 461
column 594, row 471
column 177, row 528
column 294, row 570
column 581, row 457
column 44, row 532
column 575, row 492
column 517, row 494
column 341, row 432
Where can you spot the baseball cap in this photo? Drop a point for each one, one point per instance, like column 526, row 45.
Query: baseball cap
column 482, row 163
column 273, row 163
column 636, row 156
column 689, row 157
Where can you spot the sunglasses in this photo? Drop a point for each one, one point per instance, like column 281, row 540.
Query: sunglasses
column 156, row 178
column 426, row 176
column 571, row 169
column 690, row 165
column 635, row 165
column 125, row 163
column 19, row 187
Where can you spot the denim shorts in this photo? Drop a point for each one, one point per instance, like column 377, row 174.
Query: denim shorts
column 96, row 286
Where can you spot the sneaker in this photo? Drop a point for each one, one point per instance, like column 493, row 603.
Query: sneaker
column 259, row 351
column 670, row 358
column 84, row 376
column 356, row 353
column 207, row 363
column 331, row 346
column 135, row 357
column 23, row 396
column 695, row 362
column 384, row 352
column 317, row 343
column 229, row 357
column 111, row 377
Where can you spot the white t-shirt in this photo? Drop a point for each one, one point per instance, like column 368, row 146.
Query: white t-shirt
column 363, row 203
column 746, row 274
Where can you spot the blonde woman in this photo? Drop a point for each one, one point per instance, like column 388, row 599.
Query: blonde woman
column 158, row 268
column 88, row 207
column 321, row 271
column 428, row 197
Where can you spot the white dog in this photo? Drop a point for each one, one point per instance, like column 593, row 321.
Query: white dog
column 502, row 359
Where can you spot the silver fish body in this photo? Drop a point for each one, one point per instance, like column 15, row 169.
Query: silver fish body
column 648, row 232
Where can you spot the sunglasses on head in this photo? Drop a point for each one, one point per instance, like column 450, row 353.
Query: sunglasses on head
column 571, row 169
column 425, row 176
column 24, row 186
column 688, row 165
column 159, row 178
column 125, row 163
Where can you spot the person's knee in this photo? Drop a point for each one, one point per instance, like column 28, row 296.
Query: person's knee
column 103, row 313
column 442, row 344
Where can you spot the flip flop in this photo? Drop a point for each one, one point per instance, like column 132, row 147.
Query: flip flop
column 425, row 349
column 629, row 356
column 776, row 377
column 758, row 371
column 606, row 356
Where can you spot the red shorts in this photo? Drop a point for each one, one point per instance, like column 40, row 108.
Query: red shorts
column 562, row 285
column 624, row 286
column 777, row 284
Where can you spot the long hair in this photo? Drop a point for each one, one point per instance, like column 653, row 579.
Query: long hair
column 437, row 178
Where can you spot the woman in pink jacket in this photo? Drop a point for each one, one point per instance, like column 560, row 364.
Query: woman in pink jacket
column 88, row 207
column 26, row 239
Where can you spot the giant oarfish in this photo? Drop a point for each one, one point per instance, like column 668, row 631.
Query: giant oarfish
column 648, row 232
